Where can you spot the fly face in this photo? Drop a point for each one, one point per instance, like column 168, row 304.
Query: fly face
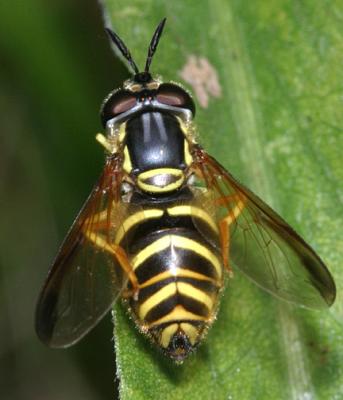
column 136, row 98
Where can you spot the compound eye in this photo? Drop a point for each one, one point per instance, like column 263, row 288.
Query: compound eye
column 171, row 99
column 123, row 105
column 173, row 95
column 117, row 103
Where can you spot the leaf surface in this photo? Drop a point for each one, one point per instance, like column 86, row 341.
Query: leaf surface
column 276, row 123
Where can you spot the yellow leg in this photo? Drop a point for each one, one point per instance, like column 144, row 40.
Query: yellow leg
column 224, row 225
column 117, row 251
column 108, row 144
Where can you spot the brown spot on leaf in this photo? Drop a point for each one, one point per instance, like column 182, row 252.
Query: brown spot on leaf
column 203, row 78
column 322, row 351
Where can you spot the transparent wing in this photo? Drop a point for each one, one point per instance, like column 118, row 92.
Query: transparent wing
column 262, row 245
column 86, row 276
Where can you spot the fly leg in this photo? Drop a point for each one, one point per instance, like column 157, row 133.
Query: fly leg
column 100, row 221
column 234, row 203
column 224, row 224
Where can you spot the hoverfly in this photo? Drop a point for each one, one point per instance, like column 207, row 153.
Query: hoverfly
column 163, row 225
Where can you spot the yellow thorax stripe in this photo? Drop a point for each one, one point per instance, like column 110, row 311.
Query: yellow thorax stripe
column 161, row 189
column 150, row 187
column 127, row 165
column 196, row 211
column 188, row 157
column 122, row 132
column 176, row 241
column 160, row 171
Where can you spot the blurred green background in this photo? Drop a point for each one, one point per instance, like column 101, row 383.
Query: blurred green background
column 56, row 67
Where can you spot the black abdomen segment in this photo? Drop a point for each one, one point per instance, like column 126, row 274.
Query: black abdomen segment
column 175, row 257
column 166, row 258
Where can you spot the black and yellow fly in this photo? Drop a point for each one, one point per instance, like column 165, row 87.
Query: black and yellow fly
column 161, row 227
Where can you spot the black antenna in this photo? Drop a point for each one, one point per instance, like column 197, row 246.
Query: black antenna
column 123, row 49
column 153, row 44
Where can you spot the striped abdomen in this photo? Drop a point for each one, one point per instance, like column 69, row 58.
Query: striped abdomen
column 173, row 251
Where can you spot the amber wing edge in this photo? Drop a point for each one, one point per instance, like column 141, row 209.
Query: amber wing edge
column 322, row 279
column 104, row 195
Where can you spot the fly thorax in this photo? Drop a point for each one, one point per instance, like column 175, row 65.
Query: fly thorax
column 156, row 153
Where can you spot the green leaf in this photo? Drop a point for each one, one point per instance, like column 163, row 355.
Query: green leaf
column 277, row 126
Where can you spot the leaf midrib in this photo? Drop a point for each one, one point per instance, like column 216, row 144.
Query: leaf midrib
column 239, row 83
